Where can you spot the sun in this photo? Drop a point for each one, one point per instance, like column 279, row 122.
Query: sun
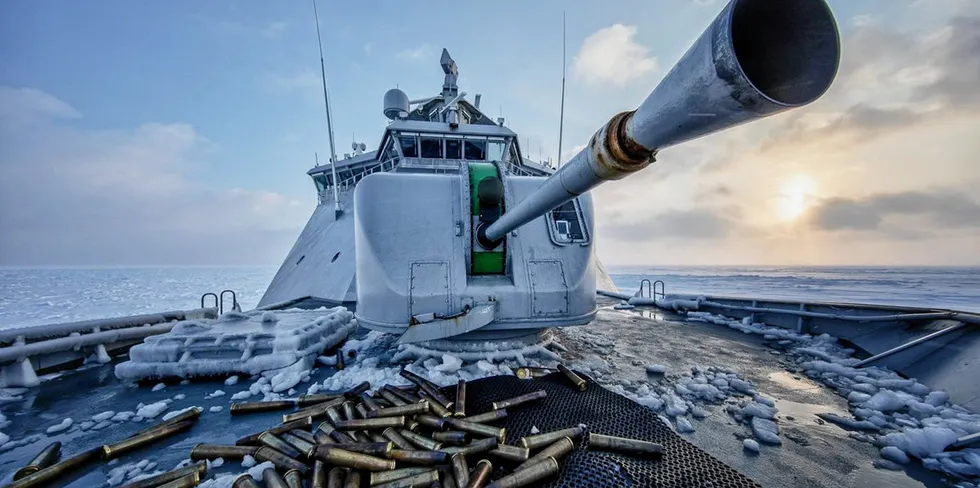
column 795, row 194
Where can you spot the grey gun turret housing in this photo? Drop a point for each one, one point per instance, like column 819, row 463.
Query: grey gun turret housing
column 471, row 250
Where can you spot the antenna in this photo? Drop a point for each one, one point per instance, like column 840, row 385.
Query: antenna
column 561, row 118
column 326, row 104
column 316, row 157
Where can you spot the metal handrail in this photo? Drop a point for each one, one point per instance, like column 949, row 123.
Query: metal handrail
column 215, row 296
column 649, row 288
column 234, row 301
column 663, row 289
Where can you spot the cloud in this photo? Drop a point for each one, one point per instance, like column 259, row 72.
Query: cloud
column 611, row 55
column 415, row 53
column 697, row 223
column 75, row 197
column 941, row 208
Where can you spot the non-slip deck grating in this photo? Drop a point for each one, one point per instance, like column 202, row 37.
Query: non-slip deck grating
column 603, row 412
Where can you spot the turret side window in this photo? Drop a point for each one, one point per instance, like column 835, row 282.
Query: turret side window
column 409, row 146
column 431, row 147
column 454, row 149
column 474, row 150
column 495, row 150
column 566, row 224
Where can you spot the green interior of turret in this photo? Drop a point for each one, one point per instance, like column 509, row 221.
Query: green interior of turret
column 483, row 262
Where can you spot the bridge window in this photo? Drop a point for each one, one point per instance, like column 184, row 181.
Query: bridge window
column 495, row 150
column 454, row 149
column 409, row 146
column 321, row 182
column 431, row 147
column 474, row 150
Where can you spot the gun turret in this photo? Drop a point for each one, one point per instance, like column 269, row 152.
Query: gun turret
column 758, row 58
column 443, row 249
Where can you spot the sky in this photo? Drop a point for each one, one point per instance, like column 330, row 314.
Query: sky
column 179, row 133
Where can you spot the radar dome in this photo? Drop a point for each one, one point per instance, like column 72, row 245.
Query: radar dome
column 396, row 101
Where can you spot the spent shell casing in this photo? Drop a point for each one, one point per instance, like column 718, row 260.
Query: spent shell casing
column 481, row 430
column 576, row 380
column 340, row 359
column 189, row 481
column 414, row 378
column 461, row 470
column 488, row 417
column 436, row 395
column 47, row 476
column 510, row 453
column 48, row 456
column 333, row 414
column 430, row 421
column 323, row 438
column 406, row 396
column 293, row 479
column 425, row 478
column 548, row 438
column 192, row 414
column 303, row 434
column 381, row 477
column 481, row 474
column 529, row 476
column 435, row 407
column 253, row 440
column 428, row 458
column 201, row 452
column 245, row 480
column 558, row 450
column 453, row 449
column 454, row 437
column 278, row 459
column 305, row 447
column 357, row 390
column 316, row 411
column 379, row 423
column 376, row 436
column 255, row 407
column 361, row 411
column 348, row 409
column 112, row 451
column 353, row 479
column 478, row 446
column 272, row 479
column 386, row 393
column 459, row 409
column 397, row 439
column 410, row 409
column 379, row 449
column 528, row 372
column 360, row 436
column 309, row 400
column 319, row 477
column 197, row 470
column 336, row 477
column 333, row 454
column 369, row 402
column 518, row 400
column 420, row 440
column 280, row 445
column 447, row 480
column 622, row 444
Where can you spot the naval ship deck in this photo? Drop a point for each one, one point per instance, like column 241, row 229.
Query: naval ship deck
column 614, row 350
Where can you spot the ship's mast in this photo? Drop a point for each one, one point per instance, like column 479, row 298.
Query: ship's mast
column 326, row 104
column 561, row 118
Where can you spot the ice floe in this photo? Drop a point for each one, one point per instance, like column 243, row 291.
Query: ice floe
column 62, row 426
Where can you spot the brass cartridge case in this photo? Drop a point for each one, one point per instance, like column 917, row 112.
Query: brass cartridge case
column 370, row 424
column 253, row 440
column 255, row 407
column 410, row 409
column 459, row 409
column 559, row 449
column 436, row 395
column 381, row 477
column 369, row 402
column 529, row 476
column 293, row 479
column 513, row 402
column 310, row 400
column 427, row 458
column 423, row 479
column 396, row 438
column 481, row 430
column 245, row 480
column 353, row 479
column 386, row 393
column 481, row 474
column 189, row 481
column 454, row 437
column 354, row 460
column 538, row 440
column 280, row 460
column 576, row 380
column 622, row 444
column 303, row 434
column 48, row 456
column 432, row 422
column 340, row 359
column 478, row 446
column 273, row 479
column 348, row 409
column 488, row 417
column 336, row 477
column 315, row 411
column 319, row 478
column 357, row 390
column 197, row 470
column 304, row 447
column 510, row 453
column 461, row 470
column 201, row 452
column 280, row 445
column 420, row 440
column 111, row 451
column 379, row 449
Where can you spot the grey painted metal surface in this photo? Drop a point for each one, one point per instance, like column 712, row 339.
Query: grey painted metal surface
column 743, row 67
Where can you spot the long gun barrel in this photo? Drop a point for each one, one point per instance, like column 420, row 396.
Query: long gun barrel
column 758, row 58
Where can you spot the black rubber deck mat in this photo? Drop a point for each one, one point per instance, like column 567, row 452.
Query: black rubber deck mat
column 603, row 412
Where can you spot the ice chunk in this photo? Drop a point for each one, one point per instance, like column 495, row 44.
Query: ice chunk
column 242, row 395
column 122, row 416
column 858, row 397
column 175, row 413
column 937, row 398
column 450, row 364
column 215, row 409
column 921, row 442
column 886, row 464
column 101, row 425
column 231, row 380
column 64, row 425
column 684, row 425
column 256, row 471
column 763, row 400
column 4, row 438
column 180, row 396
column 656, row 369
column 894, row 454
column 285, row 380
column 214, row 394
column 215, row 463
column 152, row 410
column 750, row 445
column 741, row 386
column 534, row 430
column 248, row 461
column 754, row 409
column 108, row 414
column 86, row 425
column 675, row 406
column 158, row 387
column 865, row 388
column 885, row 401
column 848, row 423
column 766, row 431
column 269, row 317
column 698, row 413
